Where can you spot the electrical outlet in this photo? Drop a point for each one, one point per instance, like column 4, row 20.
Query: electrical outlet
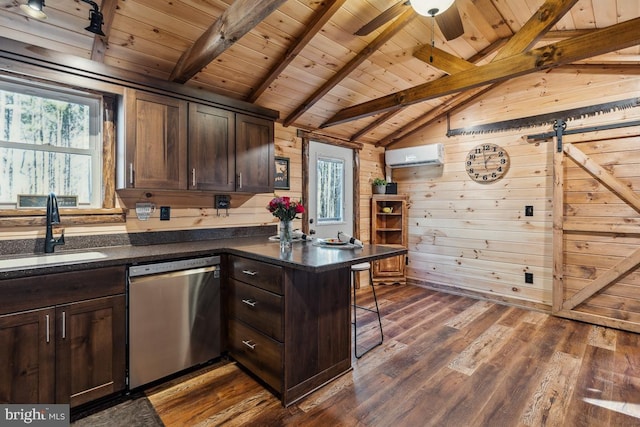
column 165, row 213
column 144, row 210
column 222, row 201
column 528, row 210
column 528, row 277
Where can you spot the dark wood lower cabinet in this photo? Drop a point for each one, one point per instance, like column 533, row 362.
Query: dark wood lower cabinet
column 290, row 327
column 27, row 355
column 257, row 352
column 90, row 359
column 317, row 330
column 71, row 352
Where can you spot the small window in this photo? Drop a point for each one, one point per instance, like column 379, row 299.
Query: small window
column 50, row 141
column 330, row 190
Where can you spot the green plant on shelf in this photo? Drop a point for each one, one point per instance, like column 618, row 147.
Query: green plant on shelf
column 379, row 181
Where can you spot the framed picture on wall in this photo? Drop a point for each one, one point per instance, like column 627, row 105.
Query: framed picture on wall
column 281, row 180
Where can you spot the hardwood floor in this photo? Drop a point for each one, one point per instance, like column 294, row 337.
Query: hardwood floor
column 446, row 360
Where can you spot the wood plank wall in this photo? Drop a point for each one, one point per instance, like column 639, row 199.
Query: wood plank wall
column 475, row 238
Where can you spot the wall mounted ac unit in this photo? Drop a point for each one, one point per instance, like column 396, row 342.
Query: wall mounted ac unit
column 432, row 154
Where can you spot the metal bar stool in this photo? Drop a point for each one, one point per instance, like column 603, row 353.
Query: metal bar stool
column 354, row 270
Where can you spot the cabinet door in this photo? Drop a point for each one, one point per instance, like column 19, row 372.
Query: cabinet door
column 27, row 353
column 90, row 345
column 211, row 148
column 254, row 154
column 389, row 267
column 156, row 142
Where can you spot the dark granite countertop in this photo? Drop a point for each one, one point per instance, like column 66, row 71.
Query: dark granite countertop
column 304, row 255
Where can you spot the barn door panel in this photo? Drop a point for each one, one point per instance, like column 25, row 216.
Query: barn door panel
column 597, row 231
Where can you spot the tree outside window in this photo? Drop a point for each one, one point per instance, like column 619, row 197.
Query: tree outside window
column 330, row 203
column 49, row 142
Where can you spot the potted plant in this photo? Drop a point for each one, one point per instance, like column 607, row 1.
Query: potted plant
column 379, row 186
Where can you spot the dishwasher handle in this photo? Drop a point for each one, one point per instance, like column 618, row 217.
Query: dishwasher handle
column 210, row 262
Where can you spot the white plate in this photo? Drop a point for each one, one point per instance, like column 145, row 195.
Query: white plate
column 334, row 242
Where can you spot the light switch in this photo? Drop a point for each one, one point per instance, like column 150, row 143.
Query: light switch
column 165, row 213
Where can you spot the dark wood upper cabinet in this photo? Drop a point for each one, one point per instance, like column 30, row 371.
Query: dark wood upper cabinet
column 172, row 144
column 211, row 148
column 155, row 142
column 254, row 154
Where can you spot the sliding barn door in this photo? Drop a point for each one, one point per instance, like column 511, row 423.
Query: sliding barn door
column 597, row 229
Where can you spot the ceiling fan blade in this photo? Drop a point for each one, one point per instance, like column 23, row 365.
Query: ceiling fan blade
column 450, row 23
column 383, row 18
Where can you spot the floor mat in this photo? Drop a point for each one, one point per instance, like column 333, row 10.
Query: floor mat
column 132, row 413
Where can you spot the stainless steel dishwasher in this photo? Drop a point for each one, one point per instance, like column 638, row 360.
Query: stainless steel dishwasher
column 174, row 317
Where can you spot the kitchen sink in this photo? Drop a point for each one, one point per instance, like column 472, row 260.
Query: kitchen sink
column 46, row 259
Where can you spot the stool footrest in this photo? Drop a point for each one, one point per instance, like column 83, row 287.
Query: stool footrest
column 372, row 310
column 355, row 269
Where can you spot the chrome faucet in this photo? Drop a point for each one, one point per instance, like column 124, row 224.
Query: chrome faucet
column 53, row 217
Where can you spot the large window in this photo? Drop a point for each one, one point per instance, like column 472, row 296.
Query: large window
column 50, row 141
column 330, row 190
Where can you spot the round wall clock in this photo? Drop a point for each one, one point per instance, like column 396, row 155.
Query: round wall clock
column 487, row 163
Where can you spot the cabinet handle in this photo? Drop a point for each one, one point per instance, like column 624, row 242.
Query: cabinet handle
column 193, row 177
column 64, row 324
column 250, row 273
column 131, row 173
column 249, row 344
column 240, row 180
column 250, row 302
column 47, row 318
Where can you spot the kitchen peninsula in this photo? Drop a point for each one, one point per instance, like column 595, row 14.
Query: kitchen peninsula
column 287, row 314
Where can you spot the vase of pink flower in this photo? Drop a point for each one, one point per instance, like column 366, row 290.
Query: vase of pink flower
column 286, row 210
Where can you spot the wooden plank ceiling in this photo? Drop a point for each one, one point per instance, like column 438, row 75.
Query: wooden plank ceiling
column 301, row 57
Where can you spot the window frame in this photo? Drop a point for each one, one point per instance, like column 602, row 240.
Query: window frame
column 95, row 149
column 106, row 141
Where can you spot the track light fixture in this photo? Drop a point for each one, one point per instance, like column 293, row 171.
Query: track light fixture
column 96, row 19
column 33, row 8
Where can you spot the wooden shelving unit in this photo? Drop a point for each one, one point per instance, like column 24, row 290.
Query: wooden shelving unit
column 389, row 228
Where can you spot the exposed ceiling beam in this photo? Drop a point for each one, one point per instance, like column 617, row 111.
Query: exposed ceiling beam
column 535, row 28
column 442, row 60
column 433, row 115
column 108, row 9
column 377, row 122
column 545, row 17
column 371, row 48
column 548, row 14
column 240, row 18
column 532, row 31
column 318, row 21
column 615, row 37
column 564, row 34
column 382, row 19
column 612, row 69
column 428, row 117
